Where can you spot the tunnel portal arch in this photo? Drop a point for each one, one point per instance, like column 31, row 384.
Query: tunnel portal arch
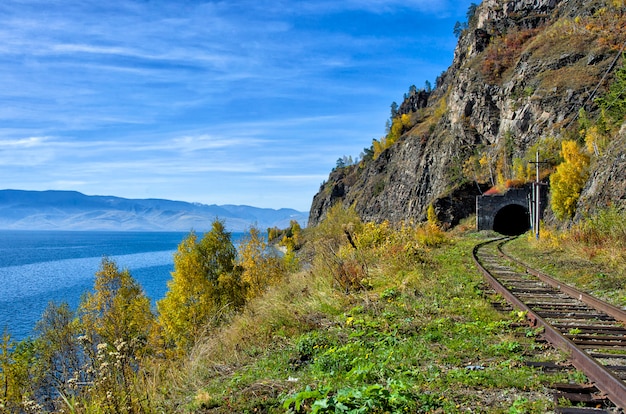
column 507, row 213
column 512, row 220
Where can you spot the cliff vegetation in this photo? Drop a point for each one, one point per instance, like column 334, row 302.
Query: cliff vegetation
column 528, row 76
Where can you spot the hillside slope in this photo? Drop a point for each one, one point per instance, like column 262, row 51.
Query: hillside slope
column 70, row 210
column 522, row 71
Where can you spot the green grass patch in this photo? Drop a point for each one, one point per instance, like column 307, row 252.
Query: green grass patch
column 422, row 339
column 597, row 269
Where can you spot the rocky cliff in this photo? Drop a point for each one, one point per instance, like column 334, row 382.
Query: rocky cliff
column 522, row 71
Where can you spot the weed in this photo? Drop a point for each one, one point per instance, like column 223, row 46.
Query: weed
column 395, row 396
column 574, row 331
column 598, row 242
column 390, row 294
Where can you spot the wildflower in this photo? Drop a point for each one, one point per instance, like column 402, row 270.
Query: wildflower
column 120, row 345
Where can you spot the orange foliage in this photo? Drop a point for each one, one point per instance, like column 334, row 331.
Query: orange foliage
column 493, row 191
column 504, row 51
column 515, row 183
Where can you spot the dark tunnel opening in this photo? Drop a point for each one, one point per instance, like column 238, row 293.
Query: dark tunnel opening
column 511, row 220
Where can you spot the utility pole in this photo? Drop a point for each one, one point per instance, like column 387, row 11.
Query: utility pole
column 537, row 198
column 536, row 219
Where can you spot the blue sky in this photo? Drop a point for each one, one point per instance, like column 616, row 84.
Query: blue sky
column 233, row 102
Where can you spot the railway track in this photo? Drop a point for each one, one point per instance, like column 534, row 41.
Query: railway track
column 590, row 331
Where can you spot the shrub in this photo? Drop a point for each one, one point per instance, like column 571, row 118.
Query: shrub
column 613, row 104
column 503, row 52
column 607, row 228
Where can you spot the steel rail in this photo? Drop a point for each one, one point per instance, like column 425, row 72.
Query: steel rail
column 604, row 380
column 592, row 301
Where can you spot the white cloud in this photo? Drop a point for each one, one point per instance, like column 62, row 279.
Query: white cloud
column 23, row 143
column 208, row 142
column 83, row 48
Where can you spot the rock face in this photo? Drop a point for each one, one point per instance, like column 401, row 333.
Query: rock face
column 607, row 184
column 522, row 70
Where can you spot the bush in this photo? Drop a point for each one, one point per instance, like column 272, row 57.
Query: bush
column 503, row 52
column 607, row 228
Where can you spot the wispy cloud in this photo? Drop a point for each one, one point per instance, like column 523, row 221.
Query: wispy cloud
column 22, row 143
column 243, row 99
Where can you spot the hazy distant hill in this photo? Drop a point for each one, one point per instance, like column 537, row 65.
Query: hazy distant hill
column 71, row 210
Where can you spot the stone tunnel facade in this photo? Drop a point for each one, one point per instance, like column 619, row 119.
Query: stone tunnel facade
column 508, row 213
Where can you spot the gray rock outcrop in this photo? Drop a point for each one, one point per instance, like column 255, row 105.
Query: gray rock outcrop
column 521, row 71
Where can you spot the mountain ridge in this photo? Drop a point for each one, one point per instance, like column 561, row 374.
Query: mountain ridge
column 72, row 210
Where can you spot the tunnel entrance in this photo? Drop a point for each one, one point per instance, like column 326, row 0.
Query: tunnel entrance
column 512, row 220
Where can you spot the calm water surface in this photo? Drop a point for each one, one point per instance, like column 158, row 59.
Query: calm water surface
column 39, row 267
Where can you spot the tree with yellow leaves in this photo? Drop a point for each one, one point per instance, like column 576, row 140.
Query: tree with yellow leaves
column 261, row 265
column 205, row 283
column 569, row 179
column 396, row 128
column 431, row 216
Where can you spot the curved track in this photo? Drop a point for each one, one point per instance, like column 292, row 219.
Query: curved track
column 589, row 330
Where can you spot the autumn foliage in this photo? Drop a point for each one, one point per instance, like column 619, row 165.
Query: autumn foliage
column 205, row 283
column 569, row 179
column 504, row 51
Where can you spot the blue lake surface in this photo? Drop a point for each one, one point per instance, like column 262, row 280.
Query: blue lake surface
column 37, row 267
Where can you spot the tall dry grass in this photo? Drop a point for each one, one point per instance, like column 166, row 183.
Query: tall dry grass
column 602, row 236
column 341, row 250
column 300, row 304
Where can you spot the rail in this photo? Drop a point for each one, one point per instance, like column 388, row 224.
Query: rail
column 586, row 328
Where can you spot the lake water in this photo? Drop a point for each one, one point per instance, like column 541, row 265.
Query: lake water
column 39, row 267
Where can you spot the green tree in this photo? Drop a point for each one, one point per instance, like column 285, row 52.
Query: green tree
column 428, row 87
column 471, row 12
column 24, row 372
column 569, row 179
column 458, row 28
column 61, row 358
column 117, row 311
column 394, row 109
column 6, row 365
column 205, row 282
column 17, row 360
column 613, row 103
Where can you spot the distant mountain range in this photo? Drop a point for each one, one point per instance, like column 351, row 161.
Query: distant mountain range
column 71, row 210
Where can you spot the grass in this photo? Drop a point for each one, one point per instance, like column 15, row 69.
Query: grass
column 577, row 76
column 419, row 336
column 591, row 255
